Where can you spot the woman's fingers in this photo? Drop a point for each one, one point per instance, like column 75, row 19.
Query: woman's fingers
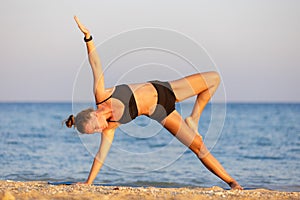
column 77, row 20
column 78, row 23
column 80, row 26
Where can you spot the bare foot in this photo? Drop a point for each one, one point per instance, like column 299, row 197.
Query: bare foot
column 193, row 125
column 235, row 186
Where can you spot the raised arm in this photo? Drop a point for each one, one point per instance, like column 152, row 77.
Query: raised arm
column 106, row 141
column 99, row 88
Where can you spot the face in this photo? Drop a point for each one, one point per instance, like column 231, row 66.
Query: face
column 96, row 124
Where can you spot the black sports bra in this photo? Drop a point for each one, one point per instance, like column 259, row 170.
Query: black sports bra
column 125, row 95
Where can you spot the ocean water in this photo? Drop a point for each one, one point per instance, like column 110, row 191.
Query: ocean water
column 258, row 144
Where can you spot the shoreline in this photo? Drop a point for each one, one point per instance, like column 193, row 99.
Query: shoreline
column 10, row 190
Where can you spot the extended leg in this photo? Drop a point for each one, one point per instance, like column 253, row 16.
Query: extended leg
column 176, row 125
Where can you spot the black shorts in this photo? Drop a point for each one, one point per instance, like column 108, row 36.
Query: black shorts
column 165, row 100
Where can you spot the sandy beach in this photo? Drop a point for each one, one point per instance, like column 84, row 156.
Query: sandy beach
column 10, row 190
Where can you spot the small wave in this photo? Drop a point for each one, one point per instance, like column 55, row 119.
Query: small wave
column 264, row 142
column 12, row 142
column 157, row 145
column 263, row 157
column 294, row 150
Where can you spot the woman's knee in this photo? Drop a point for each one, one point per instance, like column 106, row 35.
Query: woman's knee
column 212, row 78
column 216, row 78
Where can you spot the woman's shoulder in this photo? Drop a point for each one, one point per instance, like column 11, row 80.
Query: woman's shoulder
column 100, row 98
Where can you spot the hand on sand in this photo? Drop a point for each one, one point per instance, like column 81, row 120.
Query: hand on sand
column 235, row 186
column 83, row 29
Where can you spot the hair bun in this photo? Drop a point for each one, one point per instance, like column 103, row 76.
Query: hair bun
column 70, row 121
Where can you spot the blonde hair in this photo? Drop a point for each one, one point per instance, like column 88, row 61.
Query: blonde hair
column 80, row 120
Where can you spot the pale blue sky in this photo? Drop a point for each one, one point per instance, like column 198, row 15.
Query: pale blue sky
column 255, row 43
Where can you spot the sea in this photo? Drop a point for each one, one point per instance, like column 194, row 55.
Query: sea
column 257, row 143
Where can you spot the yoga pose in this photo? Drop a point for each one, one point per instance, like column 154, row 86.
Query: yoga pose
column 155, row 99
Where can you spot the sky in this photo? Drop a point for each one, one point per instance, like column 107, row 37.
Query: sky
column 255, row 44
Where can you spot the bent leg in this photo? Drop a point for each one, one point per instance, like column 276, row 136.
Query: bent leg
column 195, row 84
column 203, row 85
column 177, row 126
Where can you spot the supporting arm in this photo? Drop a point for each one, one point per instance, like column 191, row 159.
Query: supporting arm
column 106, row 141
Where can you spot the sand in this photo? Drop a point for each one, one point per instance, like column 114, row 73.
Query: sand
column 10, row 190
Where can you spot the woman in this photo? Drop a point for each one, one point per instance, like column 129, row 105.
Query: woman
column 155, row 99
